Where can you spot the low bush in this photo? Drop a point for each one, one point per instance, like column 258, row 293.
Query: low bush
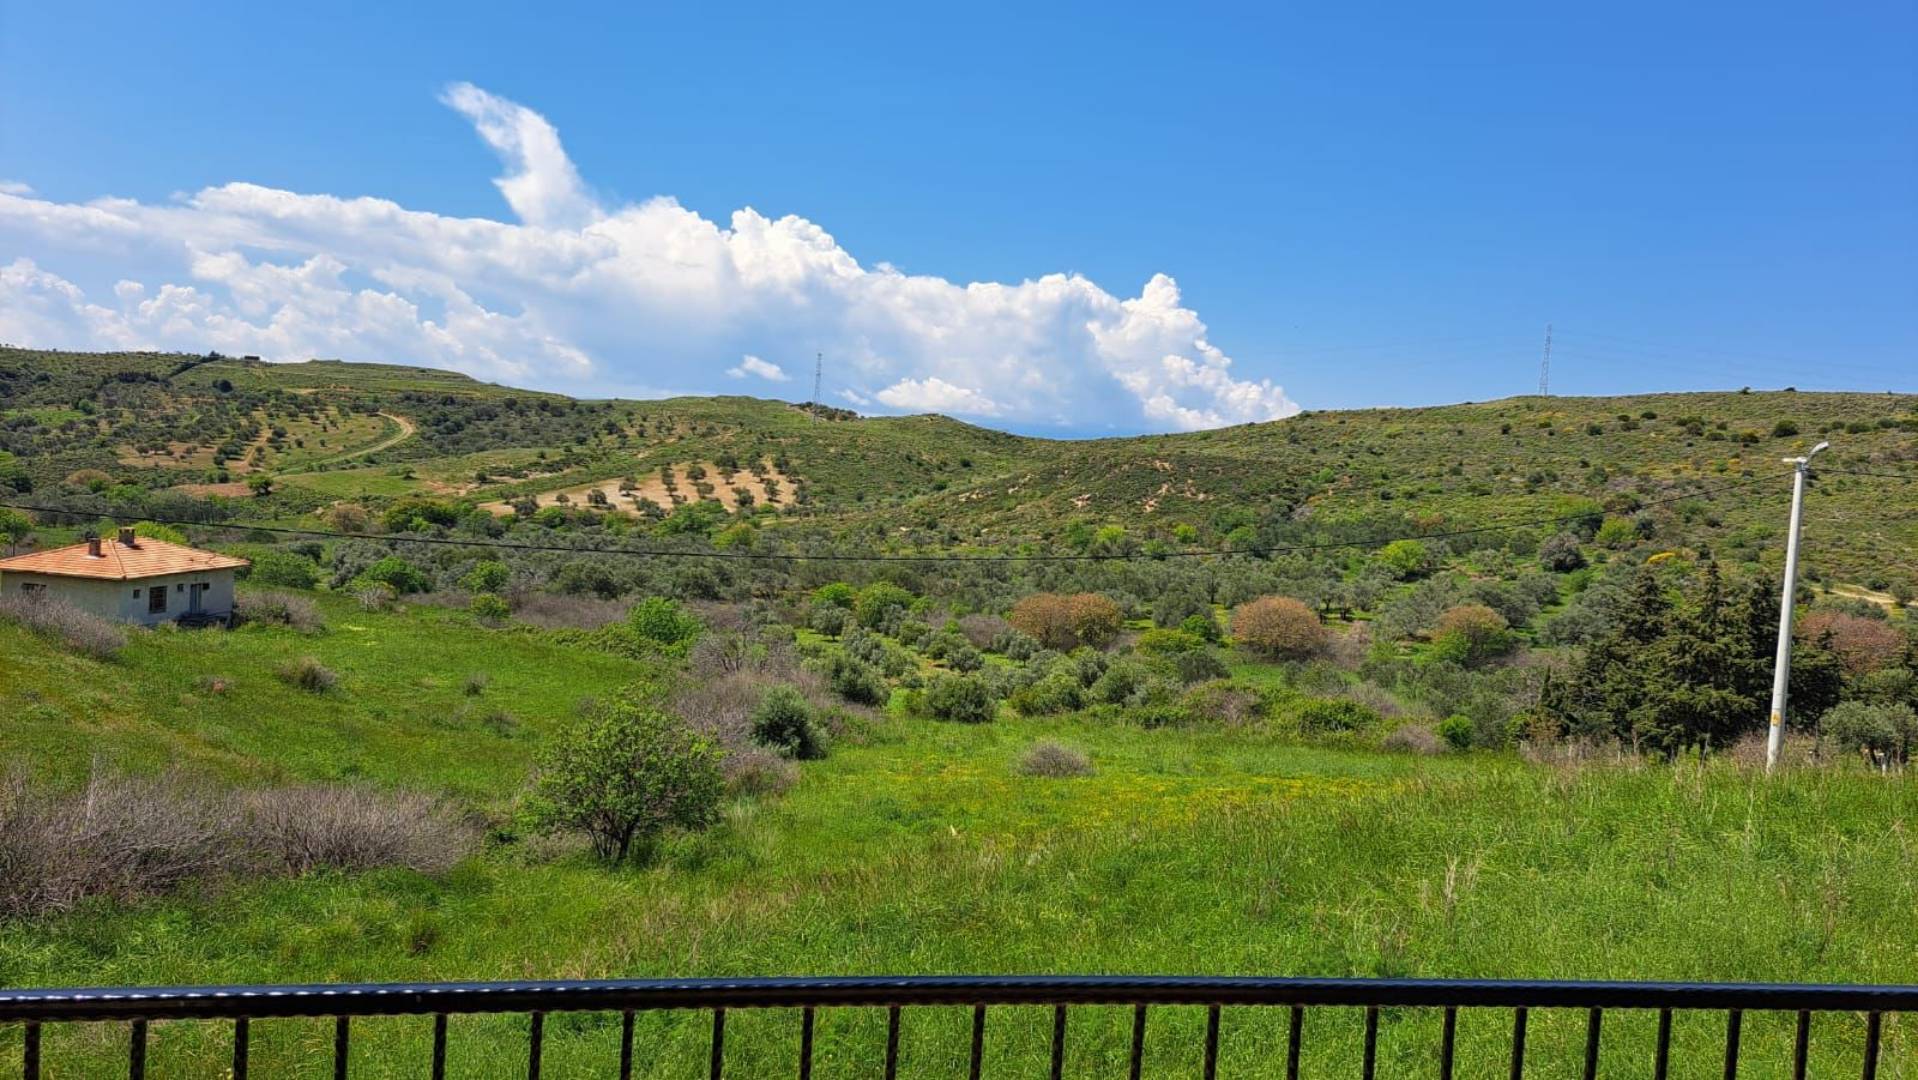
column 783, row 722
column 984, row 631
column 1279, row 628
column 1057, row 692
column 282, row 569
column 490, row 608
column 1202, row 665
column 84, row 633
column 625, row 774
column 1458, row 731
column 758, row 773
column 308, row 674
column 855, row 680
column 1413, row 739
column 1883, row 732
column 278, row 609
column 662, row 621
column 963, row 699
column 1055, row 760
column 303, row 829
column 1326, row 716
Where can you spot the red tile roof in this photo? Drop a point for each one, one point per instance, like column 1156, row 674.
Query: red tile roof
column 117, row 562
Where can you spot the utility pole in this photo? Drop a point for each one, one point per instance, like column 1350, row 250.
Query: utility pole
column 1781, row 669
column 1545, row 365
column 818, row 369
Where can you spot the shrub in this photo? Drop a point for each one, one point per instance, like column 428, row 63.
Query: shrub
column 1057, row 692
column 489, row 607
column 1054, row 760
column 1457, row 731
column 488, row 576
column 1200, row 665
column 1014, row 645
column 878, row 600
column 374, row 595
column 984, row 631
column 855, row 680
column 1471, row 634
column 1221, row 702
column 1405, row 558
column 303, row 829
column 964, row 699
column 624, row 775
column 1067, row 621
column 1280, row 628
column 784, row 722
column 1862, row 645
column 829, row 620
column 283, row 569
column 1158, row 641
column 397, row 574
column 84, row 633
column 1332, row 715
column 1561, row 554
column 1412, row 739
column 1205, row 627
column 278, row 609
column 662, row 621
column 837, row 594
column 1884, row 732
column 308, row 674
column 1784, row 429
column 757, row 773
column 1617, row 532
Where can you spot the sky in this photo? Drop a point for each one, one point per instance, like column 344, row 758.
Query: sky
column 1050, row 218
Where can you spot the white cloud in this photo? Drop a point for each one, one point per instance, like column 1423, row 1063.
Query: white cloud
column 15, row 187
column 937, row 395
column 753, row 365
column 585, row 298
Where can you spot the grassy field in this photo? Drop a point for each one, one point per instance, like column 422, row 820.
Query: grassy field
column 920, row 848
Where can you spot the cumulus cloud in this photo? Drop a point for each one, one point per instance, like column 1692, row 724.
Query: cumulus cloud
column 578, row 296
column 753, row 365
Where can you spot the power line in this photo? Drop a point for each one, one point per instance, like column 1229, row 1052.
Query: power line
column 937, row 557
column 1867, row 472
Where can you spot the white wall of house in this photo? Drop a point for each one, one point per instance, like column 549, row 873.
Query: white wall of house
column 131, row 601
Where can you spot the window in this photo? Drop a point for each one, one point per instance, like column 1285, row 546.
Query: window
column 156, row 600
column 32, row 587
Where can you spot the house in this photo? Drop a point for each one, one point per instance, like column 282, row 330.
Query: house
column 131, row 578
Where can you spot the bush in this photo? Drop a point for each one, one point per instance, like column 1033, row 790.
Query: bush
column 283, row 569
column 625, row 775
column 855, row 680
column 662, row 621
column 784, row 722
column 1413, row 739
column 1067, row 621
column 1562, row 553
column 1458, row 731
column 1058, row 692
column 1471, row 634
column 757, row 773
column 1883, row 732
column 984, row 631
column 963, row 699
column 303, row 829
column 1205, row 627
column 838, row 594
column 1280, row 628
column 1054, row 760
column 308, row 674
column 1862, row 645
column 84, row 633
column 489, row 607
column 878, row 600
column 1157, row 641
column 830, row 621
column 278, row 609
column 1333, row 715
column 489, row 576
column 1406, row 558
column 397, row 574
column 1202, row 665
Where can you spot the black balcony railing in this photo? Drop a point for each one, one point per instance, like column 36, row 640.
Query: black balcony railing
column 139, row 1007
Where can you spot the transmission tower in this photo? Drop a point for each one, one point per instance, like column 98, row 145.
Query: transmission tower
column 1545, row 365
column 818, row 369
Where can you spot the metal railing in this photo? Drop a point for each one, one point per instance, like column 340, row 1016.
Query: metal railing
column 139, row 1007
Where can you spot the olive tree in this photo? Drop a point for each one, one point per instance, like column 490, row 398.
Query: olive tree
column 625, row 775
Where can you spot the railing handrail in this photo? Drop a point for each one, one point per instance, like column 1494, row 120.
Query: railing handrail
column 419, row 999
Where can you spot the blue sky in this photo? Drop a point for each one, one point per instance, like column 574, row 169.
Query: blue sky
column 1363, row 205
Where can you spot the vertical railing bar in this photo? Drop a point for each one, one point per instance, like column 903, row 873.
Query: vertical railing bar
column 1212, row 1043
column 1518, row 1042
column 137, row 1051
column 439, row 1046
column 805, row 1044
column 892, row 1043
column 340, row 1047
column 1292, row 1042
column 535, row 1044
column 240, row 1049
column 1058, row 1041
column 1873, row 1021
column 718, row 1066
column 30, row 1053
column 978, row 1039
column 626, row 1045
column 1734, row 1019
column 1662, row 1059
column 1448, row 1040
column 1801, row 1046
column 1370, row 1066
column 1594, row 1023
column 1138, row 1042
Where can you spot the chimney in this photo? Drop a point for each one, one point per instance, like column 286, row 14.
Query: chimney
column 127, row 538
column 93, row 547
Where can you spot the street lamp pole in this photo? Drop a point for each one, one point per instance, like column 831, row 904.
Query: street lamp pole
column 1781, row 669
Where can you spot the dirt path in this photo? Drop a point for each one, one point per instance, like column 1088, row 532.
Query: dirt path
column 407, row 430
column 1859, row 592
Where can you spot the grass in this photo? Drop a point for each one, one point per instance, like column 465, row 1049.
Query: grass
column 919, row 849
